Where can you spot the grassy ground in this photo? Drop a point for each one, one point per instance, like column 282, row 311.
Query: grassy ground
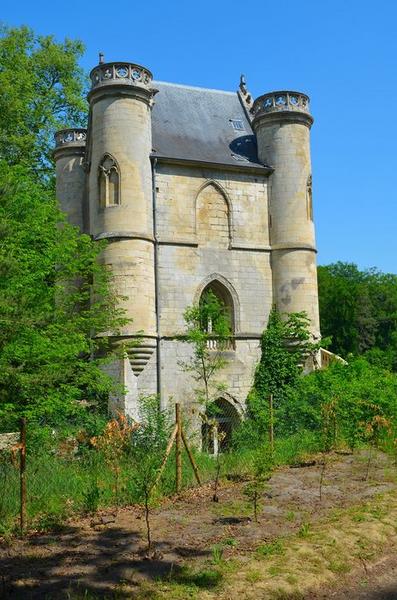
column 206, row 550
column 292, row 567
column 62, row 484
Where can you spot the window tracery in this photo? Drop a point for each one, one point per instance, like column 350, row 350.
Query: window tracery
column 109, row 182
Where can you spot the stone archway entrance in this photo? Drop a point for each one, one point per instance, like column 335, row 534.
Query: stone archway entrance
column 222, row 419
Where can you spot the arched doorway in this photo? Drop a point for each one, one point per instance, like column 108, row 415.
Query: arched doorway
column 217, row 430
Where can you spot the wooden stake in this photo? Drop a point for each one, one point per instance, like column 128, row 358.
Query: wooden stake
column 271, row 423
column 178, row 448
column 22, row 479
column 166, row 455
column 190, row 455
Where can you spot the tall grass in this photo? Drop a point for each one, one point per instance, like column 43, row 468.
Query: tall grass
column 59, row 486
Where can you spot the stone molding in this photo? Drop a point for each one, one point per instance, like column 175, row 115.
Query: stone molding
column 265, row 171
column 293, row 246
column 250, row 247
column 131, row 235
column 177, row 242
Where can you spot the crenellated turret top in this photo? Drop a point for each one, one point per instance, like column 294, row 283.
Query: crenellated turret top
column 123, row 73
column 286, row 102
column 70, row 137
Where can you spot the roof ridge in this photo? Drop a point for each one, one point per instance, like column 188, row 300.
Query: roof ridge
column 193, row 87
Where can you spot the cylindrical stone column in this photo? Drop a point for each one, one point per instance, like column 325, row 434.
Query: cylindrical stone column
column 120, row 192
column 70, row 175
column 282, row 125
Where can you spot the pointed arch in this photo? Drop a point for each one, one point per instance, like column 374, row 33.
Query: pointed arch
column 225, row 292
column 108, row 182
column 222, row 418
column 213, row 215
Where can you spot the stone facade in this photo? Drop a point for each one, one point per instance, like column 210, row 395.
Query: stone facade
column 181, row 212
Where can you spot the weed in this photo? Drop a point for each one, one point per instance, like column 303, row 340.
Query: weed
column 270, row 549
column 290, row 516
column 338, row 567
column 204, row 579
column 359, row 517
column 274, row 570
column 253, row 576
column 217, row 554
column 305, row 530
column 282, row 594
column 230, row 542
column 92, row 497
column 50, row 522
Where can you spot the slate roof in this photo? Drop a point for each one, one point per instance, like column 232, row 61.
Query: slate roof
column 192, row 123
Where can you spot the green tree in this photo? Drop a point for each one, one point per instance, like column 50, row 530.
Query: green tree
column 208, row 332
column 286, row 345
column 42, row 90
column 47, row 346
column 49, row 342
column 358, row 309
column 354, row 393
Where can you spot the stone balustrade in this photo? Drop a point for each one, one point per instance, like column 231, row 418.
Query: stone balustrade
column 70, row 137
column 281, row 102
column 224, row 345
column 120, row 73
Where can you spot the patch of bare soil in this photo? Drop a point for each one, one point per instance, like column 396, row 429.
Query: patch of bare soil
column 97, row 553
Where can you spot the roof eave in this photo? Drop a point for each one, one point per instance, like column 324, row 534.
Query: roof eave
column 263, row 170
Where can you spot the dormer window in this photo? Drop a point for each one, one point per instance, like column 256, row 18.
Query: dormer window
column 237, row 124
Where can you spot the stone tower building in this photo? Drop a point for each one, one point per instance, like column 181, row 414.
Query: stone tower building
column 193, row 189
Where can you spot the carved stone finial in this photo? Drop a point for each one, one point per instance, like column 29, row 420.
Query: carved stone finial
column 101, row 58
column 243, row 83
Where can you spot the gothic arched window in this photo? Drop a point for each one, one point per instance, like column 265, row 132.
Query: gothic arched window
column 217, row 312
column 109, row 182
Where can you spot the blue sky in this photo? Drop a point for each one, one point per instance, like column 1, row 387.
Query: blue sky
column 342, row 53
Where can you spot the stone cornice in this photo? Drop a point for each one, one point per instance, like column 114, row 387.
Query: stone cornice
column 127, row 235
column 282, row 117
column 293, row 246
column 118, row 90
column 250, row 247
column 239, row 168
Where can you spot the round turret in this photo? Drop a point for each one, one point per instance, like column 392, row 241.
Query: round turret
column 69, row 156
column 120, row 187
column 282, row 122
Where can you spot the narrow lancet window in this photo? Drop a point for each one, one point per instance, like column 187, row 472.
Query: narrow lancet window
column 109, row 182
column 309, row 198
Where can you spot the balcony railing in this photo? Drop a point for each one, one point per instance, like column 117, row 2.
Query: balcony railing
column 221, row 345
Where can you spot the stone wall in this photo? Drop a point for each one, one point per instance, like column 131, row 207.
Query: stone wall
column 212, row 224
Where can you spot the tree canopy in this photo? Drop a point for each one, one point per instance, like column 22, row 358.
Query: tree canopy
column 42, row 90
column 54, row 294
column 358, row 310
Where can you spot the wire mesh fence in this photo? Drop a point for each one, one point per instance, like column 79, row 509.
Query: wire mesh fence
column 79, row 473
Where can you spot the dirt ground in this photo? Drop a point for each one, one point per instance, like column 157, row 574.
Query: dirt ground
column 95, row 554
